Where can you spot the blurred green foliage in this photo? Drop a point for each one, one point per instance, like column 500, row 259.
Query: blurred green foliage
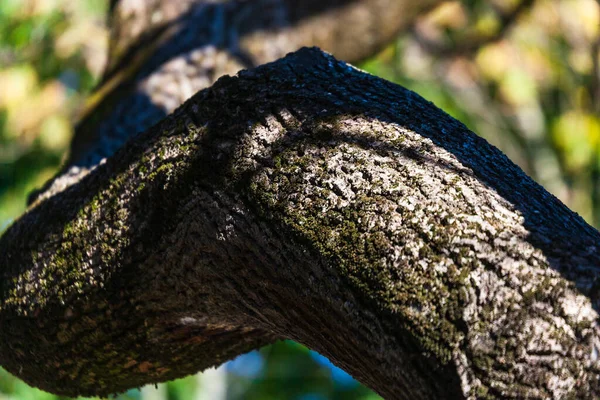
column 51, row 54
column 528, row 83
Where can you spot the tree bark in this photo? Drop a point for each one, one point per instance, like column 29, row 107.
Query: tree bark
column 305, row 199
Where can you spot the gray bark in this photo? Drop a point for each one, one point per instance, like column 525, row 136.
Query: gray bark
column 306, row 200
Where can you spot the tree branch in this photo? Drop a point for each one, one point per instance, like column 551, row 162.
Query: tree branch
column 306, row 200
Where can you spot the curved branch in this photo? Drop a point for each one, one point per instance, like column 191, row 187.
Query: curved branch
column 306, row 200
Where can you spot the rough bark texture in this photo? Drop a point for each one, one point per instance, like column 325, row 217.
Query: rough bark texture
column 306, row 200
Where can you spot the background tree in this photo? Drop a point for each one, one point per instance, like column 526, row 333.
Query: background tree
column 425, row 33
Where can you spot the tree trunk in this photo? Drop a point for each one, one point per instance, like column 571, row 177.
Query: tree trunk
column 306, row 200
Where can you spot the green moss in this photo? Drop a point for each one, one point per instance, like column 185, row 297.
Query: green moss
column 482, row 392
column 430, row 305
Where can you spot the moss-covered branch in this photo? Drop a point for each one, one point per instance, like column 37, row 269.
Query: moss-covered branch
column 307, row 200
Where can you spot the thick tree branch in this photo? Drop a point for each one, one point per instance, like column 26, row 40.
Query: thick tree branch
column 306, row 200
